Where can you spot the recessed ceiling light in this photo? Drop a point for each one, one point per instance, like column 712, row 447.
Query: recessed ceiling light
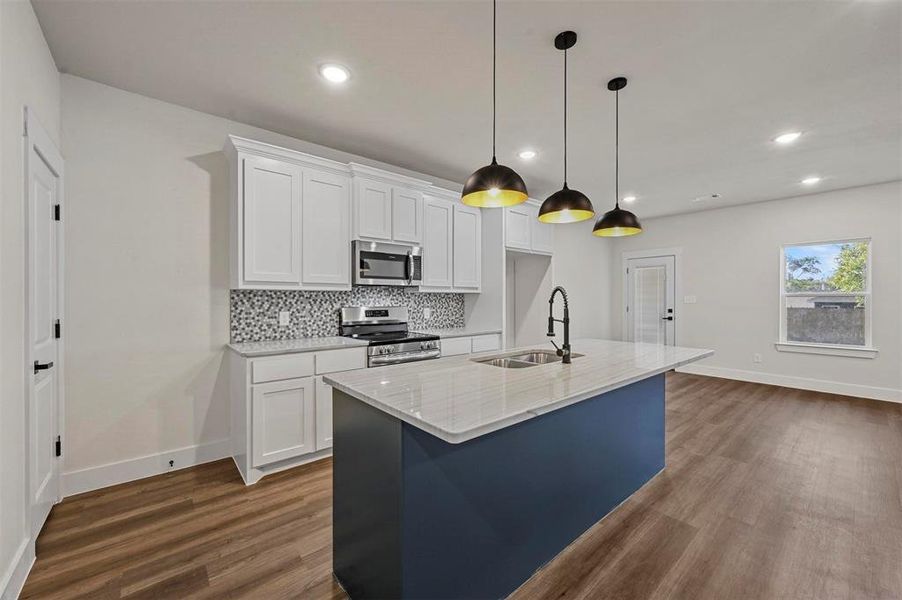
column 788, row 137
column 629, row 198
column 334, row 73
column 527, row 154
column 811, row 180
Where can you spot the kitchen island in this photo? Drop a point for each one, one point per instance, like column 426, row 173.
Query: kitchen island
column 456, row 478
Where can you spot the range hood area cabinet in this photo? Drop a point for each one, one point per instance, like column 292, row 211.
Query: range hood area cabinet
column 523, row 231
column 387, row 207
column 290, row 219
column 452, row 244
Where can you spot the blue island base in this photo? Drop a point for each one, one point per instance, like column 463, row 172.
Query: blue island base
column 417, row 517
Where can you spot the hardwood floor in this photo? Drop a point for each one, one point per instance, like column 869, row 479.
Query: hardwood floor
column 768, row 493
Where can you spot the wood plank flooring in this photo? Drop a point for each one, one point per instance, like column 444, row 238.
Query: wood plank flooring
column 768, row 493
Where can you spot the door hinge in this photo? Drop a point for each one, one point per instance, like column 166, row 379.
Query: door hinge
column 57, row 329
column 56, row 212
column 59, row 446
column 25, row 122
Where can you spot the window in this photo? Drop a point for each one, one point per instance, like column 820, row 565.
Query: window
column 825, row 298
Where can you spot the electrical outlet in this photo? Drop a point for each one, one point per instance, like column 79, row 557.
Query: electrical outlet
column 756, row 357
column 427, row 313
column 689, row 299
column 284, row 318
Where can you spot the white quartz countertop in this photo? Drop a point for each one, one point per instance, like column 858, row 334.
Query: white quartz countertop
column 311, row 344
column 456, row 332
column 457, row 399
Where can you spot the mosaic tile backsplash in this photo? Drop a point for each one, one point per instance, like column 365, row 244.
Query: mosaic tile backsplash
column 255, row 313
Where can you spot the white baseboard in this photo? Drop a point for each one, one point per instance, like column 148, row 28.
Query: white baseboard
column 17, row 572
column 94, row 478
column 802, row 383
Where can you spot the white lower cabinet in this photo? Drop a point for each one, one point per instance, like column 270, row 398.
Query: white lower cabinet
column 323, row 414
column 468, row 345
column 282, row 414
column 282, row 408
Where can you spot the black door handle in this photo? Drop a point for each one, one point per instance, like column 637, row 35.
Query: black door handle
column 667, row 318
column 42, row 366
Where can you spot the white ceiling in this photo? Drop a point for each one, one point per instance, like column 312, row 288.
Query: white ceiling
column 710, row 84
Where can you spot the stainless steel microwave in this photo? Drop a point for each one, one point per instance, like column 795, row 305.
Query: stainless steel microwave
column 379, row 263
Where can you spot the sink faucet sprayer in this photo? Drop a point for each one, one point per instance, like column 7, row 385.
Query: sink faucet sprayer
column 564, row 350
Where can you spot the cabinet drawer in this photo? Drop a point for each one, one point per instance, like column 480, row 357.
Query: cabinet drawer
column 282, row 367
column 484, row 343
column 333, row 361
column 455, row 346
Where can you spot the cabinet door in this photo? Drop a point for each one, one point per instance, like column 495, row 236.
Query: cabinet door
column 467, row 262
column 373, row 211
column 437, row 244
column 407, row 215
column 326, row 232
column 323, row 414
column 272, row 221
column 282, row 420
column 517, row 227
column 542, row 234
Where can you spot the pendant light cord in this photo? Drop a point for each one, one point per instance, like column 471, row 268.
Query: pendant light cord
column 565, row 117
column 494, row 60
column 617, row 149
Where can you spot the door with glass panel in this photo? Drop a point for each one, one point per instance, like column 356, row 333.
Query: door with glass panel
column 650, row 315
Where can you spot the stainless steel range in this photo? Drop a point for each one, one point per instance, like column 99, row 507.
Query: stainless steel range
column 390, row 341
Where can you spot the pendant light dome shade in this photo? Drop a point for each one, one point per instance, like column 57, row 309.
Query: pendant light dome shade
column 617, row 222
column 566, row 205
column 494, row 186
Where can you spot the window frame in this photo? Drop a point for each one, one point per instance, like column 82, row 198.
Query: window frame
column 864, row 351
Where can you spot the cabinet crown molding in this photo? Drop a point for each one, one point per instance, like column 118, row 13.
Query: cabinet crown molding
column 442, row 193
column 384, row 176
column 235, row 144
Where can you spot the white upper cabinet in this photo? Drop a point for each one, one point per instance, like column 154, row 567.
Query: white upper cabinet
column 542, row 235
column 290, row 219
column 387, row 206
column 272, row 221
column 524, row 232
column 406, row 215
column 438, row 220
column 373, row 208
column 467, row 253
column 518, row 227
column 325, row 227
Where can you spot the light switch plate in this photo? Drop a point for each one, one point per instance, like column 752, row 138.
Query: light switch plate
column 284, row 318
column 689, row 299
column 427, row 313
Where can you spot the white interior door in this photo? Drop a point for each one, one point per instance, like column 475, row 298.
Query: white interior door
column 44, row 197
column 650, row 300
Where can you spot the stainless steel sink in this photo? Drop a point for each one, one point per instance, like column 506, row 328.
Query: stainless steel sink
column 541, row 357
column 507, row 363
column 532, row 358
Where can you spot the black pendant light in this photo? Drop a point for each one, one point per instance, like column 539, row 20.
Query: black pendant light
column 565, row 205
column 617, row 222
column 495, row 185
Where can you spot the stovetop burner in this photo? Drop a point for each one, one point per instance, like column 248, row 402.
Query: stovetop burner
column 394, row 337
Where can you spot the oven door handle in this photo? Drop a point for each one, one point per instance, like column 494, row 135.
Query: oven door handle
column 379, row 361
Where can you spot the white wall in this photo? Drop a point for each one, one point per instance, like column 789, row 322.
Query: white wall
column 28, row 76
column 582, row 264
column 148, row 301
column 731, row 263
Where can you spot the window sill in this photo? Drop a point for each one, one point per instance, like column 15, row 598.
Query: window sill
column 827, row 349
